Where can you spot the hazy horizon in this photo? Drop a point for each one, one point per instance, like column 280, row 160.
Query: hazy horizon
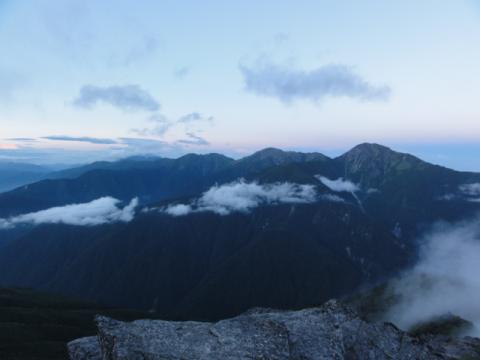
column 115, row 79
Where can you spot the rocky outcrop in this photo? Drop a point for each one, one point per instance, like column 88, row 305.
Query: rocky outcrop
column 332, row 331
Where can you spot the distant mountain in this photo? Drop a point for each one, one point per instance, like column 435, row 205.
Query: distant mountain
column 150, row 180
column 133, row 162
column 13, row 175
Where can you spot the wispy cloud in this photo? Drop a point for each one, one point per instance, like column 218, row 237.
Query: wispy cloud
column 86, row 139
column 101, row 211
column 194, row 117
column 125, row 97
column 190, row 122
column 290, row 84
column 142, row 49
column 181, row 72
column 194, row 140
column 241, row 196
column 161, row 125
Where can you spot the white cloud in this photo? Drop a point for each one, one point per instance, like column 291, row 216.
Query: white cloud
column 472, row 189
column 467, row 192
column 178, row 210
column 445, row 280
column 101, row 211
column 241, row 196
column 338, row 185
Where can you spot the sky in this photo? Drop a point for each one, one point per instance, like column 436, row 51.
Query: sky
column 82, row 80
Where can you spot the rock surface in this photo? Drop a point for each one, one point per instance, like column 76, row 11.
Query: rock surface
column 332, row 331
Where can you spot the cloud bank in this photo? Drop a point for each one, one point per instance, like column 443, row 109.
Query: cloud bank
column 445, row 280
column 338, row 185
column 104, row 210
column 287, row 85
column 241, row 196
column 126, row 97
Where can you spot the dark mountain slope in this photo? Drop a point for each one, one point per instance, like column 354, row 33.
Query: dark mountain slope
column 209, row 266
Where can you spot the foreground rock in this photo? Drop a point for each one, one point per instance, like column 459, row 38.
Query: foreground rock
column 332, row 331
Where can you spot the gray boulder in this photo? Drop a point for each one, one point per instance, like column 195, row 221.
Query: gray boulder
column 332, row 331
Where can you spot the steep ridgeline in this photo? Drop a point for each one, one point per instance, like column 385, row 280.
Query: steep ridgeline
column 332, row 331
column 151, row 179
column 406, row 193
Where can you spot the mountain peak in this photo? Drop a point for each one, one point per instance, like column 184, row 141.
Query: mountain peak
column 370, row 148
column 269, row 152
column 369, row 163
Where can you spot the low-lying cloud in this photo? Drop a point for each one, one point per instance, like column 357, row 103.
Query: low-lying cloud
column 472, row 189
column 466, row 192
column 338, row 185
column 241, row 196
column 104, row 210
column 123, row 97
column 287, row 84
column 445, row 280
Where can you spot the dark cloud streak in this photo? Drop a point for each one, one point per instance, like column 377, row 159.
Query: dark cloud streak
column 194, row 140
column 86, row 139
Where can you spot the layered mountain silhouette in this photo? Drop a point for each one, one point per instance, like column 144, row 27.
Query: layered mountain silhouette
column 205, row 265
column 13, row 175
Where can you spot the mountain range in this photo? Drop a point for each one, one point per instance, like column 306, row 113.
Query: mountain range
column 212, row 236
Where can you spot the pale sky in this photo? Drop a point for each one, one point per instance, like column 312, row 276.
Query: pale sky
column 85, row 79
